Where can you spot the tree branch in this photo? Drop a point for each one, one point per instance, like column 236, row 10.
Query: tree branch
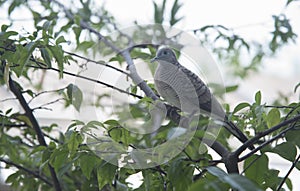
column 43, row 106
column 265, row 143
column 89, row 79
column 37, row 175
column 229, row 158
column 125, row 53
column 266, row 132
column 93, row 61
column 42, row 66
column 28, row 112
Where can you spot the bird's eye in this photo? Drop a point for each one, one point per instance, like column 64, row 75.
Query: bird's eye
column 165, row 52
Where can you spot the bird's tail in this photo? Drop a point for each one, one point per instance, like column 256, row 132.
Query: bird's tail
column 232, row 128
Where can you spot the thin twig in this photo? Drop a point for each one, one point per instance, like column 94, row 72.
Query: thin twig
column 53, row 139
column 13, row 125
column 264, row 133
column 46, row 104
column 8, row 99
column 288, row 173
column 266, row 143
column 44, row 92
column 100, row 63
column 279, row 106
column 292, row 110
column 90, row 79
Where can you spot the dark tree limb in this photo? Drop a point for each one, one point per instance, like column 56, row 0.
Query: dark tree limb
column 229, row 158
column 35, row 174
column 264, row 133
column 278, row 136
column 35, row 125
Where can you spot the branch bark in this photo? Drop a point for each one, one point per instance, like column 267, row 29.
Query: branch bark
column 35, row 125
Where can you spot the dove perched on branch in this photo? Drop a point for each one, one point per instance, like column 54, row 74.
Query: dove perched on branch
column 185, row 90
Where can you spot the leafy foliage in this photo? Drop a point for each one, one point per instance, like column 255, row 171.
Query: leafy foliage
column 68, row 162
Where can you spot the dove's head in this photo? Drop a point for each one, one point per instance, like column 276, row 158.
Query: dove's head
column 166, row 55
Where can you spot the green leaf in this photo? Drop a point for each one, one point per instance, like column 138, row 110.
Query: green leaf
column 286, row 150
column 59, row 57
column 58, row 159
column 85, row 45
column 216, row 171
column 74, row 95
column 204, row 184
column 60, row 39
column 46, row 56
column 159, row 12
column 241, row 106
column 8, row 111
column 46, row 155
column 209, row 182
column 37, row 149
column 234, row 180
column 175, row 8
column 6, row 35
column 240, row 183
column 94, row 124
column 75, row 123
column 74, row 142
column 272, row 179
column 293, row 136
column 273, row 117
column 77, row 31
column 140, row 54
column 112, row 122
column 180, row 174
column 87, row 163
column 25, row 55
column 118, row 58
column 13, row 177
column 289, row 184
column 231, row 88
column 288, row 2
column 258, row 98
column 105, row 173
column 195, row 149
column 24, row 118
column 4, row 28
column 12, row 7
column 152, row 181
column 136, row 111
column 254, row 166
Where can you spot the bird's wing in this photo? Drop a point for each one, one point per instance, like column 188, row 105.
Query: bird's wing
column 209, row 104
column 206, row 101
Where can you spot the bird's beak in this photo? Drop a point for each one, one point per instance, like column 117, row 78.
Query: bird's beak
column 153, row 59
